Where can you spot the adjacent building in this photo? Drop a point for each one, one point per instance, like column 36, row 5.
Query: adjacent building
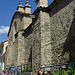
column 3, row 50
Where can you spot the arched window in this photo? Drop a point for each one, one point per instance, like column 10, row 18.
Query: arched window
column 15, row 27
column 14, row 30
column 30, row 57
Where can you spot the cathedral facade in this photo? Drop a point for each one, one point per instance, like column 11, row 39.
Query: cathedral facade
column 46, row 39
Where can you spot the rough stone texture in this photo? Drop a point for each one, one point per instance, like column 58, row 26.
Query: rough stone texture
column 49, row 40
column 28, row 45
column 27, row 73
column 53, row 35
column 42, row 3
column 16, row 50
column 9, row 52
column 62, row 31
column 45, row 39
column 26, row 22
column 21, row 49
column 36, row 53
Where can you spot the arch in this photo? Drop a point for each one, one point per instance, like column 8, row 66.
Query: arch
column 14, row 30
column 15, row 27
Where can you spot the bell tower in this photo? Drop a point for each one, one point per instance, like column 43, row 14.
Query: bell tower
column 42, row 3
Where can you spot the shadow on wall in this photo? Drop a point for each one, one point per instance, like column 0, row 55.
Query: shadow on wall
column 69, row 45
column 56, row 7
column 30, row 57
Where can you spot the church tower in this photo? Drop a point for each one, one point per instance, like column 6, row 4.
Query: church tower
column 42, row 3
column 20, row 7
column 27, row 7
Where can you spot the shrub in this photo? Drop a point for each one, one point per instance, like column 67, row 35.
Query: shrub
column 10, row 67
column 68, row 72
column 26, row 70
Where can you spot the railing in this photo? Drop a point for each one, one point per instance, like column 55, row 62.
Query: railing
column 26, row 67
column 62, row 69
column 10, row 66
column 23, row 68
column 2, row 65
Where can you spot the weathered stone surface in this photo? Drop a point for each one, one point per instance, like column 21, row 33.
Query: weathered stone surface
column 49, row 40
column 61, row 24
column 16, row 47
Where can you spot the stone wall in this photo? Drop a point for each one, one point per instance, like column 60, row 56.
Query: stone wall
column 26, row 21
column 12, row 52
column 62, row 31
column 28, row 39
column 21, row 48
column 16, row 45
column 36, row 49
column 52, row 35
column 9, row 52
column 27, row 73
column 45, row 39
column 41, row 53
column 42, row 3
column 49, row 40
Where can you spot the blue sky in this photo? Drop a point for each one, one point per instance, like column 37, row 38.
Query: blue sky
column 7, row 9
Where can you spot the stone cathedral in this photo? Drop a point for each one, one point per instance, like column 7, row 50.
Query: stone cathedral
column 46, row 39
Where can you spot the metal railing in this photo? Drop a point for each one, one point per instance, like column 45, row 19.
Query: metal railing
column 23, row 68
column 2, row 65
column 61, row 69
column 10, row 66
column 26, row 67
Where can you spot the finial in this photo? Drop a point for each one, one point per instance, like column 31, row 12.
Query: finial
column 27, row 1
column 20, row 2
column 20, row 7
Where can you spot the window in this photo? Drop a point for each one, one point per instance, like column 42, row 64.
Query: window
column 14, row 30
column 30, row 57
column 15, row 27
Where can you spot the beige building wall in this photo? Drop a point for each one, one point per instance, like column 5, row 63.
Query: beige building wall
column 16, row 45
column 13, row 40
column 26, row 22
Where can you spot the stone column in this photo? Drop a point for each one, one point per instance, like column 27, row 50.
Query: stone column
column 21, row 50
column 46, row 53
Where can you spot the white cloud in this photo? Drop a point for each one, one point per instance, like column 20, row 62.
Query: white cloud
column 4, row 29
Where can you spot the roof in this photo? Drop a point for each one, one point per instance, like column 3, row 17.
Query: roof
column 2, row 43
column 18, row 12
column 46, row 9
column 54, row 3
column 36, row 0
